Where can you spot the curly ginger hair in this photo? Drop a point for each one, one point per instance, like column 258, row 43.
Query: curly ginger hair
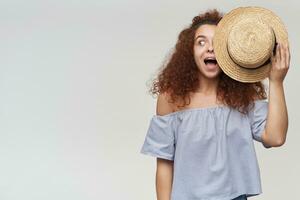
column 179, row 75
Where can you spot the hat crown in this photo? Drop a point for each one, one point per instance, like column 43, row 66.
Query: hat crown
column 221, row 45
column 250, row 42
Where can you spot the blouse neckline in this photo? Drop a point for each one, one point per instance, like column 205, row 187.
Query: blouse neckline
column 193, row 109
column 201, row 109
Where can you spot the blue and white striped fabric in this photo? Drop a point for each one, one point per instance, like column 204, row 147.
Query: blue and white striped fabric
column 212, row 149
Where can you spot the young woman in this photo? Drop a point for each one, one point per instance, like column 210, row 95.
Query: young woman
column 205, row 122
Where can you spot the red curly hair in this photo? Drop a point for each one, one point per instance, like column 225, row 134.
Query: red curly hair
column 179, row 76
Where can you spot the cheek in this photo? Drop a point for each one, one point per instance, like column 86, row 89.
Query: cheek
column 198, row 56
column 195, row 51
column 198, row 51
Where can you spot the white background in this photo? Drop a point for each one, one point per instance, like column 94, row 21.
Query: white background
column 74, row 107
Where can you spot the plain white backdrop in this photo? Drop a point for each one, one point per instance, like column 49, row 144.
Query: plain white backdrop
column 74, row 107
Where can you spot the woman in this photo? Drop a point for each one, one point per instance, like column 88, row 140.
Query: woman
column 205, row 122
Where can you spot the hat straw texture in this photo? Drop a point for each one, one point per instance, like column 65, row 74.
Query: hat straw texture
column 244, row 42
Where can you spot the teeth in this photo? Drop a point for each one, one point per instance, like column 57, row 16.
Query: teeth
column 210, row 59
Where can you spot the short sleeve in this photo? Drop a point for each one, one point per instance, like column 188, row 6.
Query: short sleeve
column 258, row 118
column 160, row 139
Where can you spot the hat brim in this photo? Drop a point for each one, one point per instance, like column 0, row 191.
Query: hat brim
column 224, row 60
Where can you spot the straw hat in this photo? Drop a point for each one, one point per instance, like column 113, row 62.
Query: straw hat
column 244, row 42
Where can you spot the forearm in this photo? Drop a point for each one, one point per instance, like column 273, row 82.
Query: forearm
column 277, row 120
column 164, row 179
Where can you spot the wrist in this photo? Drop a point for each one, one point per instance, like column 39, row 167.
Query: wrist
column 275, row 82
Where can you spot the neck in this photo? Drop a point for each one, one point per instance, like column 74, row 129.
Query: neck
column 208, row 86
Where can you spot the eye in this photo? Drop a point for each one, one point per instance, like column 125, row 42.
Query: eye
column 201, row 42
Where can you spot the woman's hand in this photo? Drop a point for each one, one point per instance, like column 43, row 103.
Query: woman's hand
column 277, row 120
column 280, row 63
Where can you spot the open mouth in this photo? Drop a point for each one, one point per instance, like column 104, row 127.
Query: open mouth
column 210, row 61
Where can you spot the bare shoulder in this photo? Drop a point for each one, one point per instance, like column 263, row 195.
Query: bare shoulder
column 163, row 105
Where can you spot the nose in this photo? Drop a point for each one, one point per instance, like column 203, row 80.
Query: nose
column 210, row 48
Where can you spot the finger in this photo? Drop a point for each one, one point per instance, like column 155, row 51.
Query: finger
column 288, row 55
column 273, row 63
column 282, row 55
column 277, row 53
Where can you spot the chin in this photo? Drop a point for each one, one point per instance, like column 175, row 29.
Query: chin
column 211, row 75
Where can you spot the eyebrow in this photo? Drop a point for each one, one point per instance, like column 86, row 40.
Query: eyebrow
column 200, row 36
